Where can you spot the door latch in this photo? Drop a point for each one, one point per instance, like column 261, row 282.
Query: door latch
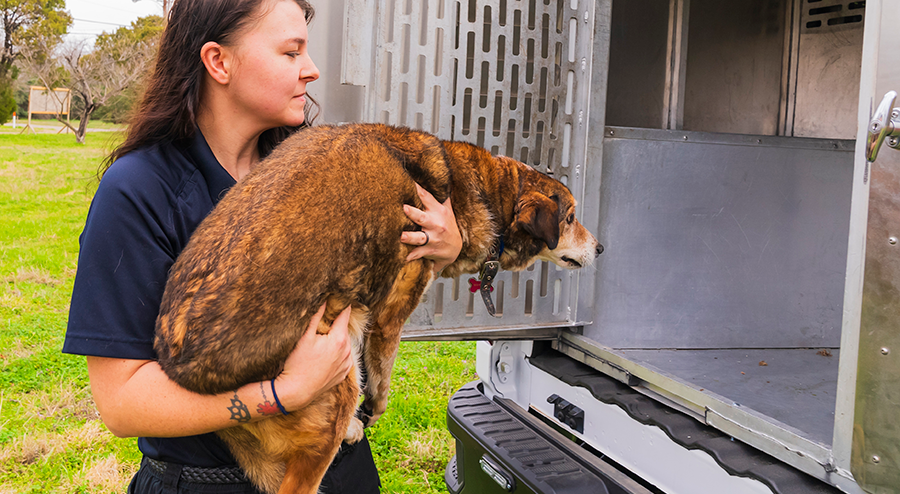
column 885, row 125
column 567, row 413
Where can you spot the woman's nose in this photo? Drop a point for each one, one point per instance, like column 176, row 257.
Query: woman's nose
column 309, row 72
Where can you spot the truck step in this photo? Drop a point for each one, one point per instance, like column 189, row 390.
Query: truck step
column 501, row 451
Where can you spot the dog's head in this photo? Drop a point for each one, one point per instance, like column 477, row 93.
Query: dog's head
column 545, row 226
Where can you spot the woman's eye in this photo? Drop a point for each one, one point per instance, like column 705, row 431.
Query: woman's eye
column 293, row 54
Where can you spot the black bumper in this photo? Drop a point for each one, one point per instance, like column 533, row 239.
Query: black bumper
column 501, row 448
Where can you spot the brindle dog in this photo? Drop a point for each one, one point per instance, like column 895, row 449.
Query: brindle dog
column 319, row 221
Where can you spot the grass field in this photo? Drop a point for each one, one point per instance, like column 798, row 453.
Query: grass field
column 51, row 126
column 51, row 437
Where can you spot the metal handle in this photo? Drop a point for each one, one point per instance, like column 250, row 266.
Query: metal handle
column 885, row 124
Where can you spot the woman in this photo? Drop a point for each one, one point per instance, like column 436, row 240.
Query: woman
column 229, row 84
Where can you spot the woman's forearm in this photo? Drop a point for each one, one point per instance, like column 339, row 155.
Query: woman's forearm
column 136, row 398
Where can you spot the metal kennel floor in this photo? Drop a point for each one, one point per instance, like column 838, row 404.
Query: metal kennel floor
column 795, row 386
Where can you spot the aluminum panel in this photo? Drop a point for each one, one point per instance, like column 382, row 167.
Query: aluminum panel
column 793, row 386
column 717, row 241
column 637, row 63
column 734, row 64
column 509, row 75
column 337, row 102
column 875, row 459
column 742, row 422
column 829, row 62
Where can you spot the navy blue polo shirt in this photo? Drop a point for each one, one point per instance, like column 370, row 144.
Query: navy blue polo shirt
column 147, row 206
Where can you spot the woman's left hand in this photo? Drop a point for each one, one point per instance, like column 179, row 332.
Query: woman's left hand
column 439, row 239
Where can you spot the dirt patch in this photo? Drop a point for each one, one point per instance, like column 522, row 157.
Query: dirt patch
column 27, row 450
column 20, row 351
column 61, row 401
column 427, row 450
column 32, row 274
column 108, row 475
column 33, row 448
column 105, row 475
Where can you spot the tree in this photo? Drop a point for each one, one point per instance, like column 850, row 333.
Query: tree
column 117, row 63
column 20, row 20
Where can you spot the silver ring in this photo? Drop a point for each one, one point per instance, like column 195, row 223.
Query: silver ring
column 427, row 239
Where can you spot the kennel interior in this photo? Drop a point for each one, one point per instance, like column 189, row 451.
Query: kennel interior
column 725, row 199
column 725, row 207
column 711, row 145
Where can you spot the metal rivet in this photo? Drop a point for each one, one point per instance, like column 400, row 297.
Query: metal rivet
column 892, row 240
column 885, row 350
column 612, row 133
column 685, row 138
column 876, row 459
column 759, row 141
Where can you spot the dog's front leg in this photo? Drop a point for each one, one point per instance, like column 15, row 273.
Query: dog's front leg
column 383, row 338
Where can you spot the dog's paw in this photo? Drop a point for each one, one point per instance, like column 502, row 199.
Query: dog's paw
column 374, row 406
column 354, row 431
column 372, row 419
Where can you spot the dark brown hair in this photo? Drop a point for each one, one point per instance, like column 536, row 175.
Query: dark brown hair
column 168, row 109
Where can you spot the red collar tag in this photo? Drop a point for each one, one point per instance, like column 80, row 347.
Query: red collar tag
column 475, row 285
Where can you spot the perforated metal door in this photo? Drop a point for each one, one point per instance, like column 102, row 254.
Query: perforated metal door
column 509, row 75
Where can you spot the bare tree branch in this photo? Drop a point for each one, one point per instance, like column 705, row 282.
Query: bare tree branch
column 94, row 76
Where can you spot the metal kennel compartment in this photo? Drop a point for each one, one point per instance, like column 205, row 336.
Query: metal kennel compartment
column 715, row 150
column 513, row 76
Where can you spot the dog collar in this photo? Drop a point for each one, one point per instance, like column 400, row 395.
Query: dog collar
column 487, row 275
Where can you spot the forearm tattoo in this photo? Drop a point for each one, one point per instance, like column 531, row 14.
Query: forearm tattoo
column 266, row 407
column 239, row 411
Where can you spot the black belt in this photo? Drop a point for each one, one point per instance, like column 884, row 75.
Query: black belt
column 200, row 475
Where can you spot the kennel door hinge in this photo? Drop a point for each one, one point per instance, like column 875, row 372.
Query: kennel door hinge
column 885, row 125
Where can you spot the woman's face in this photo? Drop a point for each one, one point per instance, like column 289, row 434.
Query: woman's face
column 273, row 67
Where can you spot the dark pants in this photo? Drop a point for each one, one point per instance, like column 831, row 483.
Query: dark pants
column 352, row 472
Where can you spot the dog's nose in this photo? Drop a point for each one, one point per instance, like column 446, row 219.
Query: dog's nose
column 599, row 250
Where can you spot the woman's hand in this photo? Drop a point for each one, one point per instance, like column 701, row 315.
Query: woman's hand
column 439, row 239
column 318, row 362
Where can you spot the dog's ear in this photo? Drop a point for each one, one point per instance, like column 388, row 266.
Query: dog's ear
column 538, row 215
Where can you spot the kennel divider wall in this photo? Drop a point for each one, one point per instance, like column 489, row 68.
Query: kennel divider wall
column 513, row 76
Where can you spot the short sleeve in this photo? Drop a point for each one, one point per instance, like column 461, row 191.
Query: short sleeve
column 126, row 252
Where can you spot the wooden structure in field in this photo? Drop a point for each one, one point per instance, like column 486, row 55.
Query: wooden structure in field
column 44, row 101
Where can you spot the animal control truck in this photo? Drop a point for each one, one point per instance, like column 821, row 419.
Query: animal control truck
column 740, row 332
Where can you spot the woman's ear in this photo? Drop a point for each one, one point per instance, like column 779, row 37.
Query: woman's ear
column 218, row 61
column 538, row 215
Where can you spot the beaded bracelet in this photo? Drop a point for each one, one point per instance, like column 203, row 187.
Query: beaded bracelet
column 277, row 402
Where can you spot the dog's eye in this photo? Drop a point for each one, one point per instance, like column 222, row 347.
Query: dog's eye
column 570, row 218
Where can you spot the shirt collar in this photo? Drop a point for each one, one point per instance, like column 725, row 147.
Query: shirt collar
column 218, row 180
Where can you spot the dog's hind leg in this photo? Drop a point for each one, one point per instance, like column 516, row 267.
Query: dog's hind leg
column 316, row 437
column 383, row 337
column 265, row 469
column 289, row 454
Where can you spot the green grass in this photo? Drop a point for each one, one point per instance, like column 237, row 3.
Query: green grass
column 42, row 126
column 51, row 438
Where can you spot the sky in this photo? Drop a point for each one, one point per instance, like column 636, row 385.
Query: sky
column 92, row 17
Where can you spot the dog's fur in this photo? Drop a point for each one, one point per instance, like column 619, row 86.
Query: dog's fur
column 319, row 221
